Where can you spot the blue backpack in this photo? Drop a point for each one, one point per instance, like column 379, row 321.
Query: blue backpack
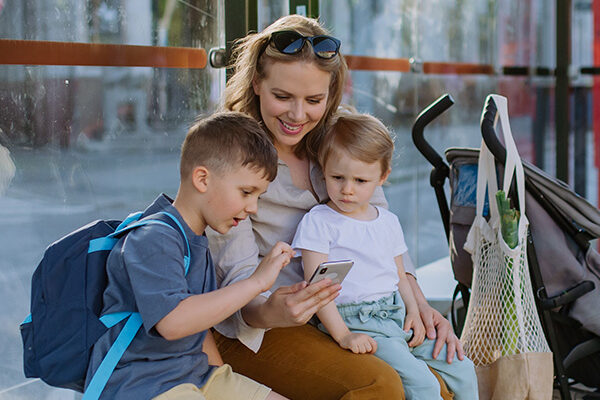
column 66, row 301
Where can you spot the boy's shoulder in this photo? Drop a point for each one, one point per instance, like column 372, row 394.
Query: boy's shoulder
column 152, row 234
column 162, row 233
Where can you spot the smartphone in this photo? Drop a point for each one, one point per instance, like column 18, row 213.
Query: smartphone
column 334, row 270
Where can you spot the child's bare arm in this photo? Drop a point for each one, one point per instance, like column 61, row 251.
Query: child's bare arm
column 413, row 318
column 202, row 311
column 209, row 347
column 330, row 316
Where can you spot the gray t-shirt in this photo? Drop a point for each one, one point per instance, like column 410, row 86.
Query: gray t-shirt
column 146, row 274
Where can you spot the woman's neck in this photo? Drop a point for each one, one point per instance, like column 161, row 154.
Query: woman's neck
column 284, row 152
column 299, row 168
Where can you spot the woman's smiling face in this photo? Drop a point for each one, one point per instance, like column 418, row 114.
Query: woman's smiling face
column 293, row 98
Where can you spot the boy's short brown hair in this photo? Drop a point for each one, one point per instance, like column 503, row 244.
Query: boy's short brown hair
column 363, row 136
column 228, row 140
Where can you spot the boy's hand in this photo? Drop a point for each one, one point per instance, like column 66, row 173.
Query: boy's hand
column 268, row 269
column 413, row 321
column 358, row 343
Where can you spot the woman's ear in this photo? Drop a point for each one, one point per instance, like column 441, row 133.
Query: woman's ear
column 256, row 86
column 384, row 176
column 200, row 178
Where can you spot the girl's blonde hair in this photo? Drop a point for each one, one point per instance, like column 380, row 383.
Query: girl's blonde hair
column 362, row 136
column 253, row 53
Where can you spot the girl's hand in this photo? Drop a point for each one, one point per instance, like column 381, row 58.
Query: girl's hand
column 358, row 343
column 295, row 305
column 268, row 269
column 413, row 321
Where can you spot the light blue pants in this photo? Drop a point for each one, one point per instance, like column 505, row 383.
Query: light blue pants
column 383, row 321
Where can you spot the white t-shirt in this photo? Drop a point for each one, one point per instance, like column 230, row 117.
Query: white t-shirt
column 372, row 245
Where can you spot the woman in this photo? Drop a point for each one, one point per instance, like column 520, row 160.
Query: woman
column 290, row 77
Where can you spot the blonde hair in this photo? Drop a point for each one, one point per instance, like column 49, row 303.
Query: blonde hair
column 362, row 136
column 253, row 53
column 225, row 141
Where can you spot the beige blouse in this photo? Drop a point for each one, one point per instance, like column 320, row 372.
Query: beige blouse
column 237, row 253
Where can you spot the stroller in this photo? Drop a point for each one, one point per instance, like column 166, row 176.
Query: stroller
column 564, row 267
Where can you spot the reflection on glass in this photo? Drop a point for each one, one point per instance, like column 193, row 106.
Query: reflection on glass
column 81, row 143
column 498, row 33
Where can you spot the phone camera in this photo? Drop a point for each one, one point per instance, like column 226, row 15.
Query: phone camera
column 323, row 271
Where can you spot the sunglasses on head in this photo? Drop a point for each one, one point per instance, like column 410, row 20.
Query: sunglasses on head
column 291, row 42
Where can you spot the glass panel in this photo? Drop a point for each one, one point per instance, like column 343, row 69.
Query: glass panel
column 270, row 10
column 83, row 143
column 156, row 22
column 455, row 31
column 585, row 162
column 500, row 33
column 373, row 28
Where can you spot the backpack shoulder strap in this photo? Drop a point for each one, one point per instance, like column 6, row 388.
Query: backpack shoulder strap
column 133, row 324
column 159, row 218
column 112, row 357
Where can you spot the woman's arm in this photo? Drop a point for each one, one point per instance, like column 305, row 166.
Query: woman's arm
column 436, row 326
column 413, row 318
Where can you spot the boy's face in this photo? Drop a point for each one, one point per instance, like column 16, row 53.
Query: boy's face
column 351, row 183
column 232, row 196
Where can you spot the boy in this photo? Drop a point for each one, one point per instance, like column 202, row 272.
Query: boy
column 227, row 161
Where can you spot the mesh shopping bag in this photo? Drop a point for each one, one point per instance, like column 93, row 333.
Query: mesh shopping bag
column 502, row 332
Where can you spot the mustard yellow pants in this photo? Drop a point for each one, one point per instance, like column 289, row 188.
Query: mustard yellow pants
column 305, row 363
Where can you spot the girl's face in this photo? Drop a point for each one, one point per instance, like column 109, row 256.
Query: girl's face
column 293, row 98
column 351, row 183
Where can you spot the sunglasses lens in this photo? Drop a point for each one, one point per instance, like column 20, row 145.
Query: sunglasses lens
column 325, row 46
column 291, row 42
column 288, row 42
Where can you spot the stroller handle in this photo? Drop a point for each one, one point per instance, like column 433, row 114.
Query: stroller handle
column 433, row 111
column 440, row 170
column 489, row 133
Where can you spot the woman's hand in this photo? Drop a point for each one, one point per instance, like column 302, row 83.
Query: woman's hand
column 440, row 329
column 295, row 305
column 358, row 343
column 437, row 327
